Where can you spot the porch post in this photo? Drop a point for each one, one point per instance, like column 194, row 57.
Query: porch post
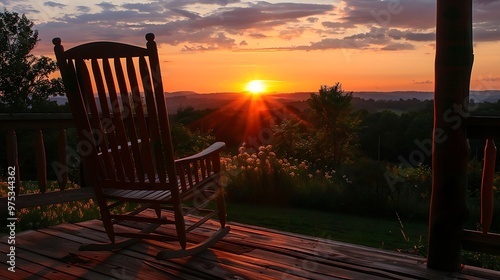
column 453, row 65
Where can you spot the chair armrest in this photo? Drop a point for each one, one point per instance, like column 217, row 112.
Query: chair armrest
column 213, row 149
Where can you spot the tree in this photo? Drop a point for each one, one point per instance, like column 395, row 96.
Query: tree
column 24, row 78
column 334, row 123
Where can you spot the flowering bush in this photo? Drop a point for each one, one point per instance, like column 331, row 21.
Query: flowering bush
column 260, row 176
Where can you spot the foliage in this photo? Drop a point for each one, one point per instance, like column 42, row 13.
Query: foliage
column 410, row 195
column 389, row 136
column 334, row 124
column 264, row 178
column 187, row 142
column 291, row 139
column 24, row 78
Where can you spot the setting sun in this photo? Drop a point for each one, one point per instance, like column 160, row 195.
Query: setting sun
column 255, row 87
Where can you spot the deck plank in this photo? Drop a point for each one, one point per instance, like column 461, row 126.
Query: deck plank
column 247, row 252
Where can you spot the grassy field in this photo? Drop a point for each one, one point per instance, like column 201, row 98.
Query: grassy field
column 373, row 232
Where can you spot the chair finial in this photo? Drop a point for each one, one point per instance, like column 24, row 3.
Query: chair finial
column 56, row 41
column 150, row 37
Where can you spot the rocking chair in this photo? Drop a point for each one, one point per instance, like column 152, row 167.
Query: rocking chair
column 125, row 140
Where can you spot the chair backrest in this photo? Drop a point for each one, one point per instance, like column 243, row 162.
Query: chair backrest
column 115, row 92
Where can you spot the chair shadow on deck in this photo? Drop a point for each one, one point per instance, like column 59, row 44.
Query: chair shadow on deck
column 116, row 96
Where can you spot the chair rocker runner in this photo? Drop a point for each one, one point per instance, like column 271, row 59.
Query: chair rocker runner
column 116, row 95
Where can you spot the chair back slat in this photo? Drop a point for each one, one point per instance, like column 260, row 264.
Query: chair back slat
column 154, row 129
column 107, row 121
column 129, row 123
column 203, row 168
column 87, row 143
column 189, row 173
column 118, row 122
column 162, row 108
column 96, row 130
column 138, row 108
column 196, row 172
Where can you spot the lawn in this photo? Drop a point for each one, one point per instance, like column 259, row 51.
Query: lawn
column 373, row 232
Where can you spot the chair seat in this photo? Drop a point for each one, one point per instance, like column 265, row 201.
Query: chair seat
column 151, row 196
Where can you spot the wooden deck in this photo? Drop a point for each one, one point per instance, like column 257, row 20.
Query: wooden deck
column 247, row 252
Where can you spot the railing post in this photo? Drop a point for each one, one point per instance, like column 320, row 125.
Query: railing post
column 41, row 162
column 62, row 179
column 490, row 152
column 12, row 157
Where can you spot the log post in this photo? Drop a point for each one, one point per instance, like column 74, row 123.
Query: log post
column 41, row 162
column 453, row 66
column 62, row 179
column 13, row 159
column 490, row 153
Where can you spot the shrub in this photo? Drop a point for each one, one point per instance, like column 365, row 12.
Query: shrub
column 259, row 176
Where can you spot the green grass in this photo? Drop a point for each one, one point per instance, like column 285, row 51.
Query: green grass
column 372, row 232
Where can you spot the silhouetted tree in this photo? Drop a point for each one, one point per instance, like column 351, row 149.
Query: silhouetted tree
column 334, row 123
column 24, row 78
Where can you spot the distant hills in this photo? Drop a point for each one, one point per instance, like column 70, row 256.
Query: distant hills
column 182, row 99
column 478, row 96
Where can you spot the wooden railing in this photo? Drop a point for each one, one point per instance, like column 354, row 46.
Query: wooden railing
column 488, row 128
column 40, row 123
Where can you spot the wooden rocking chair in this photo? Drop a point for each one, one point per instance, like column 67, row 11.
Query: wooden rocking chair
column 125, row 140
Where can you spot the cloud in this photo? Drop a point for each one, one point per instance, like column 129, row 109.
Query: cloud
column 54, row 4
column 172, row 4
column 376, row 38
column 312, row 19
column 398, row 47
column 185, row 24
column 411, row 35
column 334, row 43
column 185, row 13
column 203, row 25
column 107, row 6
column 486, row 21
column 337, row 24
column 212, row 43
column 486, row 2
column 83, row 9
column 143, row 7
column 394, row 14
column 426, row 82
column 258, row 35
column 259, row 15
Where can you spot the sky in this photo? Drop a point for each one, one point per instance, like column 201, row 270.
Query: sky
column 291, row 46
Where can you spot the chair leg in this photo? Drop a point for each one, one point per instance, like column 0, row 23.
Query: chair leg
column 107, row 222
column 221, row 206
column 158, row 210
column 180, row 226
